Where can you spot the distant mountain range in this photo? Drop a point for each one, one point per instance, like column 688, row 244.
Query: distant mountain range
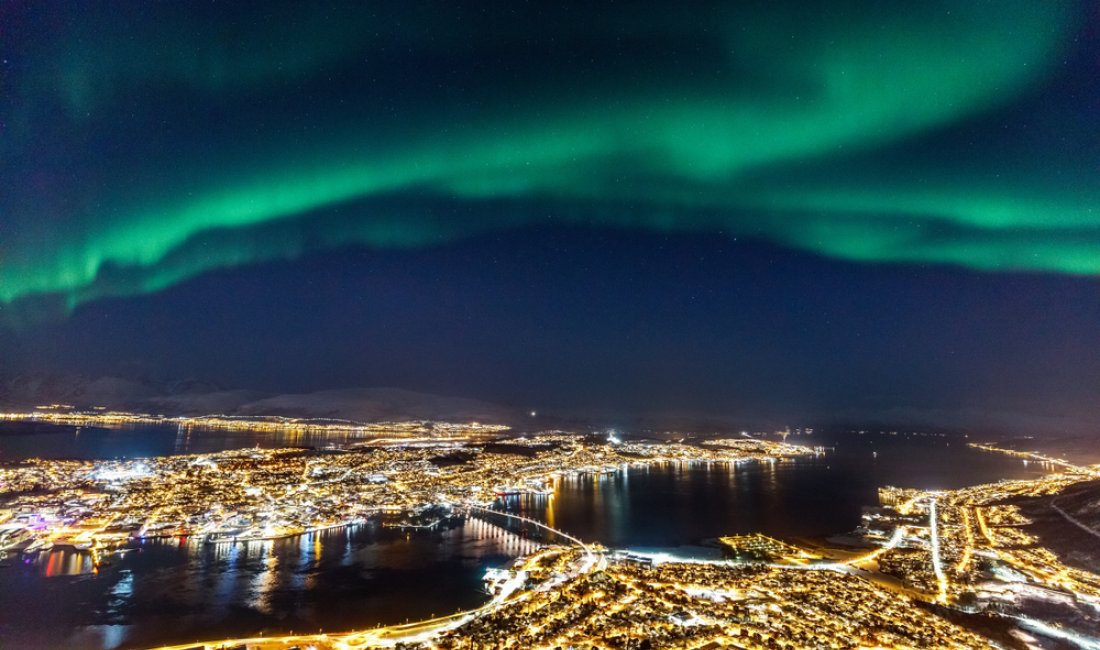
column 193, row 398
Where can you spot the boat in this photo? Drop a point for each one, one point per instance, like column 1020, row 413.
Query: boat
column 224, row 536
column 241, row 535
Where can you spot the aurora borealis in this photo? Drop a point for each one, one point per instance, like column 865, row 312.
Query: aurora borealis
column 144, row 147
column 761, row 119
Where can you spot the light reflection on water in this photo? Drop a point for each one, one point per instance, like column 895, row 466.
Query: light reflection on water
column 21, row 440
column 166, row 589
column 62, row 562
column 811, row 497
column 174, row 590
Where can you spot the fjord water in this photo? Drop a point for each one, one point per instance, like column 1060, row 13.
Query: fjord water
column 811, row 497
column 21, row 440
column 179, row 590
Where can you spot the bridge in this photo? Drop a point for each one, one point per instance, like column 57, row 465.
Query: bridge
column 391, row 635
column 504, row 540
column 534, row 522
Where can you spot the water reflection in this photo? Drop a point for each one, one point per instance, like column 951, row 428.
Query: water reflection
column 21, row 440
column 177, row 590
column 62, row 562
column 813, row 497
column 333, row 579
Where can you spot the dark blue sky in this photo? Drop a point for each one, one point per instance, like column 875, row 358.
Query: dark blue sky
column 776, row 209
column 606, row 320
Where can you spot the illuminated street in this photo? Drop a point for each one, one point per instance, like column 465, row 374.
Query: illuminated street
column 571, row 325
column 256, row 494
column 773, row 593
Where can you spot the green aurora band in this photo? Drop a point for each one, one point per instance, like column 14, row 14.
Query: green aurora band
column 826, row 144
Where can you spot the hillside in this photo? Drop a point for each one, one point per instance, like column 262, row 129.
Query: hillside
column 195, row 398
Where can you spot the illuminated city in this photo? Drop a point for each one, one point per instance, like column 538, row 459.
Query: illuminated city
column 532, row 325
column 266, row 494
column 65, row 415
column 940, row 568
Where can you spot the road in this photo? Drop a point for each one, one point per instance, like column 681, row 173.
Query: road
column 1073, row 520
column 937, row 564
column 391, row 635
column 537, row 523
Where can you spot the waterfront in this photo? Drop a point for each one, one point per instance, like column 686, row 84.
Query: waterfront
column 367, row 574
column 167, row 590
column 809, row 497
column 22, row 440
column 170, row 591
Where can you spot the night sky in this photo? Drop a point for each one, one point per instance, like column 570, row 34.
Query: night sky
column 769, row 209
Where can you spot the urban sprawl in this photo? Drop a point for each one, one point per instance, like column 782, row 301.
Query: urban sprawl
column 967, row 568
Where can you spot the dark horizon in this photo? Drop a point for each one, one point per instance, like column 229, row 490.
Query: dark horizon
column 906, row 346
column 840, row 214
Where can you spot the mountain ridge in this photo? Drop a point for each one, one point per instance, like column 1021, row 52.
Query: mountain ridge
column 192, row 398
